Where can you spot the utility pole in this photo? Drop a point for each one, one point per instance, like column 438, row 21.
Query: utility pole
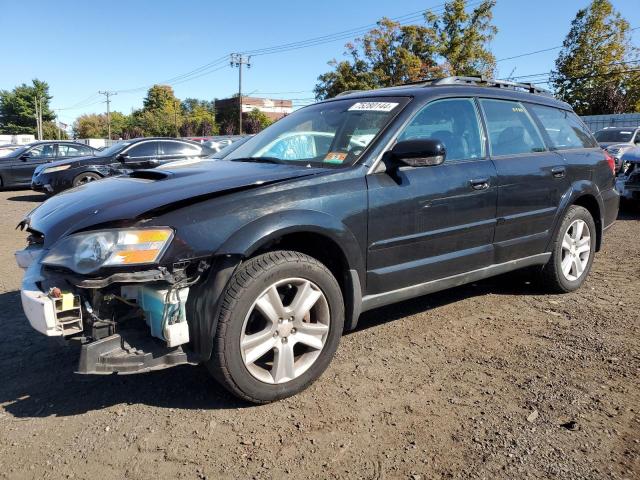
column 108, row 94
column 175, row 116
column 40, row 112
column 37, row 115
column 237, row 60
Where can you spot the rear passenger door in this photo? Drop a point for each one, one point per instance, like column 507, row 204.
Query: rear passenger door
column 428, row 223
column 174, row 150
column 531, row 180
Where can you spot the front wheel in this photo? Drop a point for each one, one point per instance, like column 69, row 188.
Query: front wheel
column 280, row 323
column 85, row 177
column 572, row 251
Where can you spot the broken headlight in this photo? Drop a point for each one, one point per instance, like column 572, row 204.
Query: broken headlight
column 87, row 252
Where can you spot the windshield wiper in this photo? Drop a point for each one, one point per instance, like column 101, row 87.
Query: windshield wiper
column 257, row 159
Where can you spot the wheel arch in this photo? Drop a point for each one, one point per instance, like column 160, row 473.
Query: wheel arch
column 584, row 194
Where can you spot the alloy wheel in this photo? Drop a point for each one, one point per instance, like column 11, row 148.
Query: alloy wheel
column 576, row 250
column 285, row 330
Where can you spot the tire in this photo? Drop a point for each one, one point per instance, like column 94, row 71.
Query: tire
column 555, row 277
column 85, row 177
column 250, row 291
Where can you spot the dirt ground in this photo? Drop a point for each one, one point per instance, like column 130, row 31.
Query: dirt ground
column 491, row 380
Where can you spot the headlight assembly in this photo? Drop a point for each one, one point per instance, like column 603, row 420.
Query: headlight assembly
column 59, row 168
column 87, row 252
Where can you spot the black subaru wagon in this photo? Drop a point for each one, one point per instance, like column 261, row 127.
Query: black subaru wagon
column 256, row 264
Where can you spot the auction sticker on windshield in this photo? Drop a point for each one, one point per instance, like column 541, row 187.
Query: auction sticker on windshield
column 373, row 106
column 335, row 157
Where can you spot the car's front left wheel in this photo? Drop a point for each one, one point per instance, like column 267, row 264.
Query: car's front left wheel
column 280, row 323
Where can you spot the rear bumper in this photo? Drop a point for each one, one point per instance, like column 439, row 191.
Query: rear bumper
column 611, row 203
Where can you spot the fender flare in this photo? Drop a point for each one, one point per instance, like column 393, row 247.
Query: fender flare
column 577, row 190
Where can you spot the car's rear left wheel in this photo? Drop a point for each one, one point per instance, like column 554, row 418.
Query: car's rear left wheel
column 280, row 324
column 572, row 251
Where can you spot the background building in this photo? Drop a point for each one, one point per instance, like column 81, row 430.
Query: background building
column 275, row 109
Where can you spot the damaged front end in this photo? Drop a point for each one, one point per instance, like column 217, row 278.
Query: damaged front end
column 129, row 318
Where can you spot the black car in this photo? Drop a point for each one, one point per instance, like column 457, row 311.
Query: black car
column 17, row 167
column 122, row 157
column 255, row 264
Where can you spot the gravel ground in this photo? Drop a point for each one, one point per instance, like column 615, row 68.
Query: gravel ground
column 491, row 380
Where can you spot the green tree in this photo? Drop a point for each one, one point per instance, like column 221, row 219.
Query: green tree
column 17, row 107
column 161, row 114
column 94, row 125
column 593, row 70
column 393, row 54
column 255, row 121
column 199, row 118
column 50, row 131
column 463, row 38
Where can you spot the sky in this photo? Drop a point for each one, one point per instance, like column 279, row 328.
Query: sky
column 82, row 47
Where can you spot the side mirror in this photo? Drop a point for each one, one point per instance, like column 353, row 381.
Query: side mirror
column 124, row 157
column 25, row 156
column 419, row 153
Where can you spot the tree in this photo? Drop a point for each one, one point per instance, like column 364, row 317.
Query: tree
column 199, row 117
column 161, row 114
column 17, row 108
column 463, row 38
column 255, row 121
column 94, row 125
column 594, row 73
column 393, row 54
column 50, row 131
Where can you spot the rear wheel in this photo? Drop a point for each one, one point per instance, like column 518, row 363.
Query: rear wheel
column 572, row 251
column 280, row 324
column 85, row 177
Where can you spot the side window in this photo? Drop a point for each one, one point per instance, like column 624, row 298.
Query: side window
column 86, row 150
column 511, row 129
column 145, row 149
column 71, row 150
column 637, row 140
column 563, row 128
column 42, row 151
column 454, row 122
column 178, row 148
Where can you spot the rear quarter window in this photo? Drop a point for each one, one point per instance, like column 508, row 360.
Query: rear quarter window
column 564, row 129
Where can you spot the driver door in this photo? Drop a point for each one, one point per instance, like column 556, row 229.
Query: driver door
column 428, row 223
column 23, row 167
column 142, row 155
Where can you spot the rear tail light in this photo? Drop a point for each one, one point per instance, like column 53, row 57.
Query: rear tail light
column 611, row 161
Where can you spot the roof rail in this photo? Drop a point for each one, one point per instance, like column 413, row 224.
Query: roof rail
column 347, row 92
column 458, row 80
column 486, row 82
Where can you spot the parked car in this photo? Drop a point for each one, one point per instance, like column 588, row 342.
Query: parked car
column 122, row 157
column 17, row 167
column 7, row 148
column 628, row 182
column 217, row 143
column 617, row 141
column 255, row 265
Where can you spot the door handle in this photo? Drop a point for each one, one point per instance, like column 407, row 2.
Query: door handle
column 479, row 184
column 558, row 172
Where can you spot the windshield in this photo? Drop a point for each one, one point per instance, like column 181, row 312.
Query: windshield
column 611, row 135
column 333, row 133
column 17, row 152
column 115, row 148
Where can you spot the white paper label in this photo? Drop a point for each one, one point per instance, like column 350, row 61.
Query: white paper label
column 373, row 106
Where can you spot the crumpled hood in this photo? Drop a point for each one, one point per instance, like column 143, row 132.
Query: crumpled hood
column 129, row 197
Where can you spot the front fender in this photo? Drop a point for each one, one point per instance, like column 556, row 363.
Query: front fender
column 259, row 232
